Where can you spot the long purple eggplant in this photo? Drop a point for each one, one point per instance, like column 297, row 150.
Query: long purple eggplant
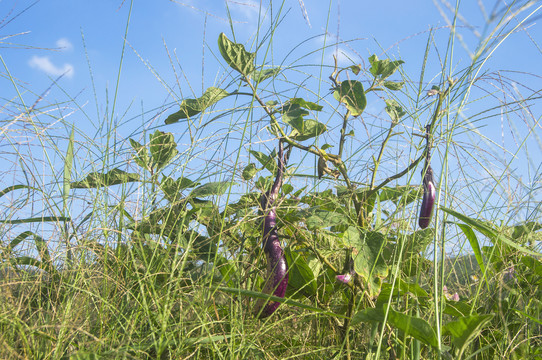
column 277, row 269
column 428, row 201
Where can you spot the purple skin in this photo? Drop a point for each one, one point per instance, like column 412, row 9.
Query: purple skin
column 277, row 268
column 428, row 200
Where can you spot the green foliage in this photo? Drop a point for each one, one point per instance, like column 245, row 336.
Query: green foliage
column 177, row 274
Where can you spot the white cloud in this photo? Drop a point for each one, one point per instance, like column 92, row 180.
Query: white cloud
column 64, row 44
column 44, row 64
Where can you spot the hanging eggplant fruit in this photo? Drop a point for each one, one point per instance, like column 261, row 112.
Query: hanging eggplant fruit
column 276, row 280
column 429, row 190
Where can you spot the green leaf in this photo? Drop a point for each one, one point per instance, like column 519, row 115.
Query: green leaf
column 351, row 94
column 403, row 194
column 394, row 110
column 326, row 146
column 493, row 234
column 323, row 219
column 355, row 69
column 192, row 107
column 141, row 156
column 268, row 162
column 306, row 129
column 264, row 74
column 304, row 104
column 394, row 85
column 368, row 260
column 16, row 187
column 301, row 278
column 236, row 56
column 413, row 326
column 383, row 68
column 163, row 149
column 172, row 188
column 249, row 171
column 475, row 245
column 465, row 329
column 210, row 189
column 113, row 177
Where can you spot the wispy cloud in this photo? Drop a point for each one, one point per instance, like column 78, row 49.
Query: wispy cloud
column 64, row 44
column 44, row 64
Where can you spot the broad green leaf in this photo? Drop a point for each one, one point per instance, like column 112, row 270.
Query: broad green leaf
column 267, row 161
column 236, row 56
column 368, row 260
column 301, row 278
column 394, row 110
column 351, row 94
column 172, row 188
column 413, row 326
column 163, row 149
column 141, row 157
column 465, row 329
column 493, row 234
column 533, row 264
column 383, row 68
column 403, row 194
column 192, row 107
column 306, row 129
column 113, row 177
column 249, row 171
column 211, row 189
column 264, row 74
column 304, row 104
column 526, row 228
column 324, row 219
column 394, row 85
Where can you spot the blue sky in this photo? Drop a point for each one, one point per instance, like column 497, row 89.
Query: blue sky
column 83, row 40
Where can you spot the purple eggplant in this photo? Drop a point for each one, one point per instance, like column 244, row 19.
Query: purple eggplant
column 277, row 269
column 428, row 200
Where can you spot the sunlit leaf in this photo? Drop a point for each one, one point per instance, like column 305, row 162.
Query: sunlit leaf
column 264, row 74
column 383, row 68
column 236, row 56
column 249, row 171
column 394, row 85
column 192, row 107
column 113, row 177
column 267, row 161
column 141, row 157
column 163, row 149
column 394, row 110
column 211, row 189
column 351, row 94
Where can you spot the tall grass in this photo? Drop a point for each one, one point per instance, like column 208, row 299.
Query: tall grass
column 147, row 245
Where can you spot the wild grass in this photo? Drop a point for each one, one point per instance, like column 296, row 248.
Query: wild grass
column 147, row 245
